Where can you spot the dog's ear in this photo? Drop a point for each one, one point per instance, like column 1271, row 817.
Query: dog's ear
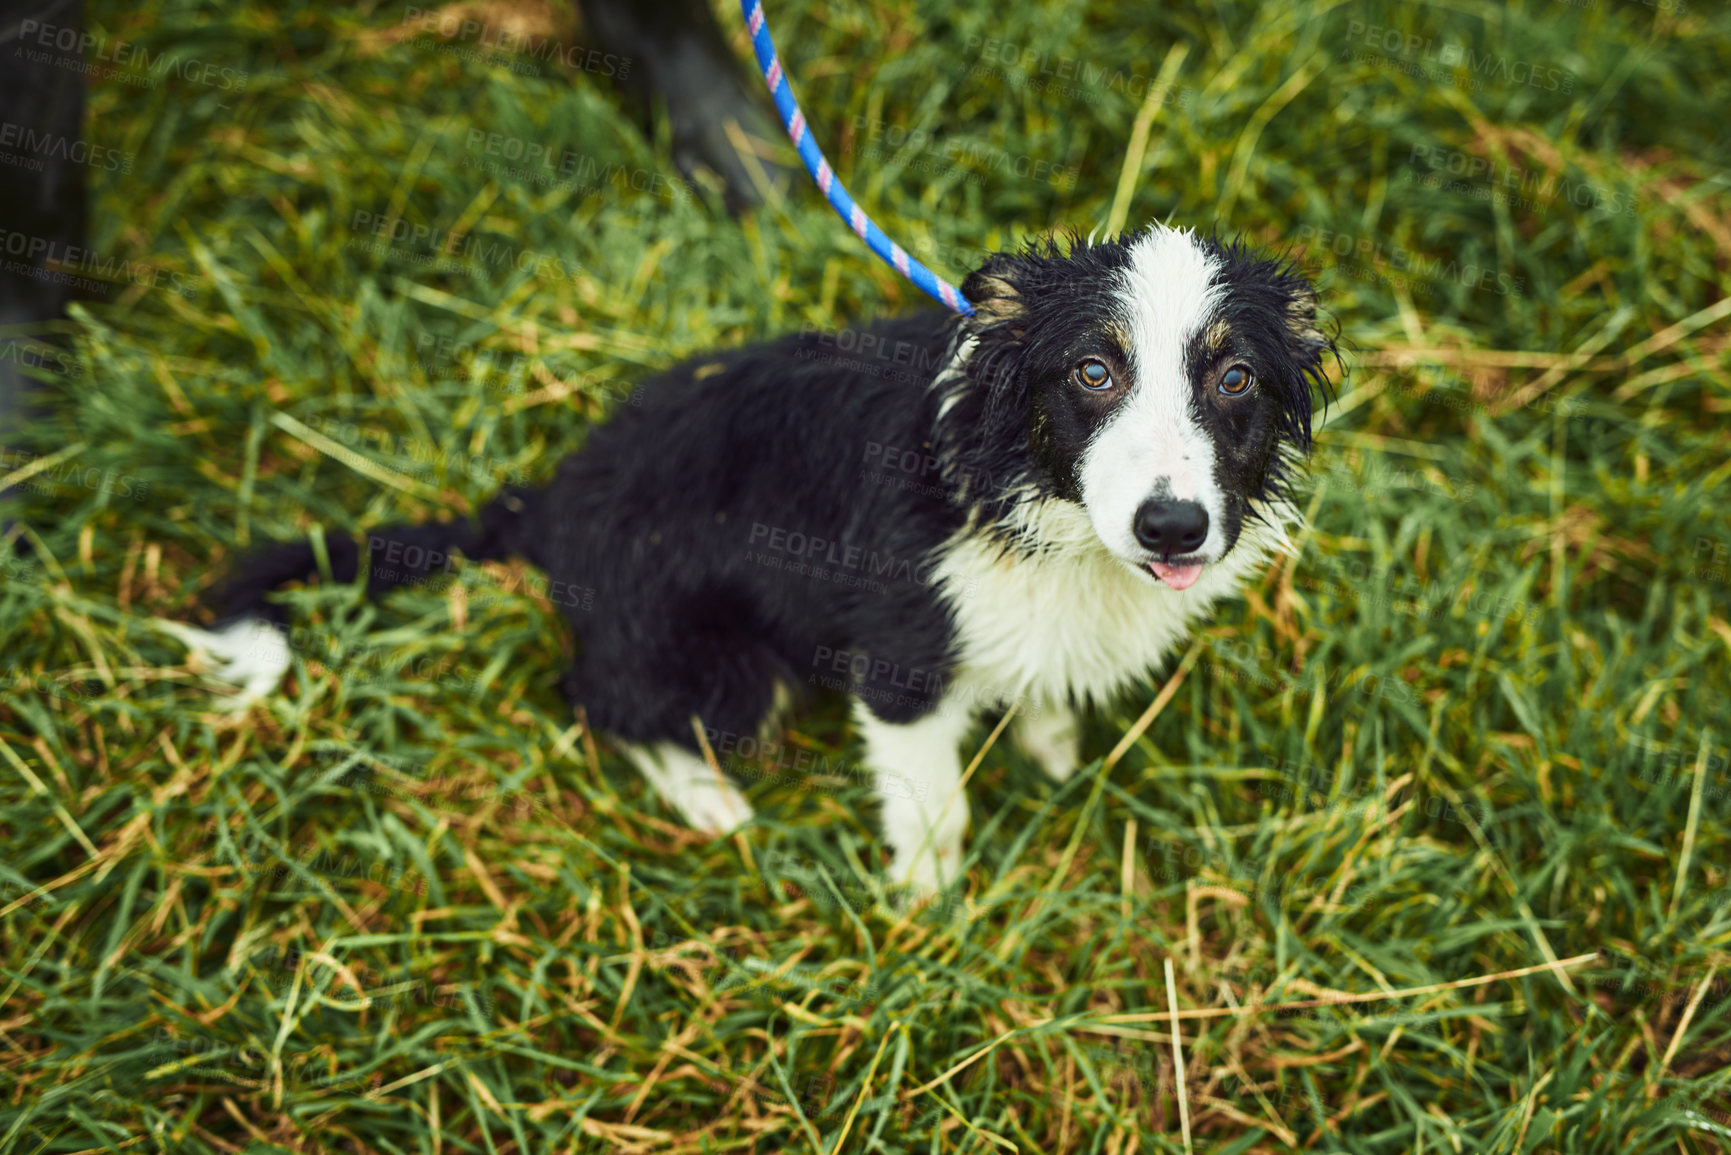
column 1306, row 338
column 1309, row 344
column 995, row 290
column 982, row 423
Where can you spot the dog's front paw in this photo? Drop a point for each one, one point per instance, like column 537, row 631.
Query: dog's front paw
column 1053, row 738
column 922, row 874
column 929, row 896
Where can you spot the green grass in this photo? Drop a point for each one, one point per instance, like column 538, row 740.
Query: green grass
column 1369, row 774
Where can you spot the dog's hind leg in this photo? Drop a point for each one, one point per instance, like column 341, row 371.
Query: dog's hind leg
column 703, row 796
column 918, row 775
column 646, row 692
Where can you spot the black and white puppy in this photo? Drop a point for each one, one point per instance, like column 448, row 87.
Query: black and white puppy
column 1079, row 472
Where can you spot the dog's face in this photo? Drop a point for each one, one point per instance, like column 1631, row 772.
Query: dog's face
column 1162, row 381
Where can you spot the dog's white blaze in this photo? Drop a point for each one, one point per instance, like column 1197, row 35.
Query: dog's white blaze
column 1153, row 444
column 1070, row 620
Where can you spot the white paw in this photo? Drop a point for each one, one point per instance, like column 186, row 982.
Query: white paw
column 704, row 798
column 1052, row 737
column 714, row 808
column 926, row 871
column 925, row 820
column 254, row 655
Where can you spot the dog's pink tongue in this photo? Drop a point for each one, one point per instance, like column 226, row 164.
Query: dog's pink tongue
column 1179, row 577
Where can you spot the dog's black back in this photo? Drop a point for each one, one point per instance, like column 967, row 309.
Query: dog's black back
column 738, row 529
column 754, row 518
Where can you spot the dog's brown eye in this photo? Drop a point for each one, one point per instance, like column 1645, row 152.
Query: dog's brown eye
column 1236, row 380
column 1092, row 374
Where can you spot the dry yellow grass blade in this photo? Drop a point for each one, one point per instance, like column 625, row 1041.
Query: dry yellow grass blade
column 1345, row 997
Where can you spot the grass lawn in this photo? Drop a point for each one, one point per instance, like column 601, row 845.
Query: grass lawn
column 1452, row 786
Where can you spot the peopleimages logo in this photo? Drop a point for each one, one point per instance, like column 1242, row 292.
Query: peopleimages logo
column 51, row 259
column 975, row 158
column 448, row 250
column 1423, row 50
column 917, row 470
column 431, row 460
column 30, row 147
column 49, row 480
column 1716, row 556
column 826, row 559
column 532, row 162
column 452, row 25
column 119, row 60
column 1371, row 253
column 1057, row 74
column 1532, row 189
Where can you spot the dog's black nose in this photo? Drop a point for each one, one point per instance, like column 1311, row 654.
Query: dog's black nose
column 1171, row 526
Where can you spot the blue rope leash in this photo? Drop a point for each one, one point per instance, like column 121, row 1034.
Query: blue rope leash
column 839, row 200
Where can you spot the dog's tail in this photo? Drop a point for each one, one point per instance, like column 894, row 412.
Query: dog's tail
column 251, row 644
column 395, row 555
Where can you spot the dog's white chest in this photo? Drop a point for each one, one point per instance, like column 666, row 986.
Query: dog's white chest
column 1070, row 620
